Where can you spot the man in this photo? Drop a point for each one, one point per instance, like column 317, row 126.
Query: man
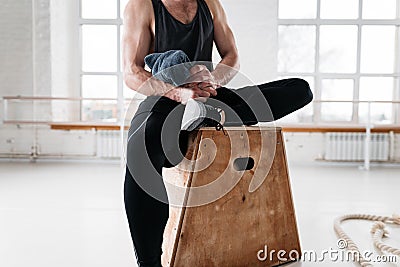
column 140, row 39
column 155, row 137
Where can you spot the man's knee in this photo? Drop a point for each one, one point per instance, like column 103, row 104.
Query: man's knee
column 303, row 88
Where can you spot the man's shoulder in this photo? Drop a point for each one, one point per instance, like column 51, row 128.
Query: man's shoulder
column 214, row 6
column 210, row 3
column 138, row 5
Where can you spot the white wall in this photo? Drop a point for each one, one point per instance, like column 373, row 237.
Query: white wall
column 56, row 71
column 254, row 24
column 65, row 57
column 396, row 154
column 24, row 57
column 304, row 147
column 16, row 75
column 16, row 47
column 17, row 43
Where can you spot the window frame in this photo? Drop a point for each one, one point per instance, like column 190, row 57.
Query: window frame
column 319, row 76
column 118, row 23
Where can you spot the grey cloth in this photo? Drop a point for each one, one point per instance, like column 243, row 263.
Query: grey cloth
column 171, row 67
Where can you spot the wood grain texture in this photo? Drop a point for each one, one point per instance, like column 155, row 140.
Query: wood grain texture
column 177, row 177
column 232, row 229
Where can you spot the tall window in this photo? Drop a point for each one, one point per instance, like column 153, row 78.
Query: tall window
column 101, row 77
column 347, row 50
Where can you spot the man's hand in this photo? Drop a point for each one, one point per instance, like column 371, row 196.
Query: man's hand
column 201, row 78
column 182, row 94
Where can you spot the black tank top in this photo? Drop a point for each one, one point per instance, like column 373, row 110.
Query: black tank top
column 195, row 39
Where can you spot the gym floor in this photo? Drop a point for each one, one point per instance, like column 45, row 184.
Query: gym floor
column 72, row 214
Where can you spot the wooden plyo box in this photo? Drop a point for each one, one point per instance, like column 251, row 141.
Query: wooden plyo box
column 245, row 211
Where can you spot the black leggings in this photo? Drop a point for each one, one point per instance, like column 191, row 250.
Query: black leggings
column 156, row 141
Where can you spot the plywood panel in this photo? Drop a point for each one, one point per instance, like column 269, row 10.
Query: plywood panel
column 232, row 229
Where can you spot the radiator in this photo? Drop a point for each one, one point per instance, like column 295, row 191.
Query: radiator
column 108, row 144
column 350, row 146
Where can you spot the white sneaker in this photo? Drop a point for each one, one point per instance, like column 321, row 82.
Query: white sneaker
column 198, row 114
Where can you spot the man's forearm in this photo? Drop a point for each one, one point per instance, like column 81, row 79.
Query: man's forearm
column 226, row 69
column 142, row 82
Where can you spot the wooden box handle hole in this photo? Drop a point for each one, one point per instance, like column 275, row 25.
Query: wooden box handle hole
column 243, row 164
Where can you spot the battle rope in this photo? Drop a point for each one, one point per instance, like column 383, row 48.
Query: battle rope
column 378, row 231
